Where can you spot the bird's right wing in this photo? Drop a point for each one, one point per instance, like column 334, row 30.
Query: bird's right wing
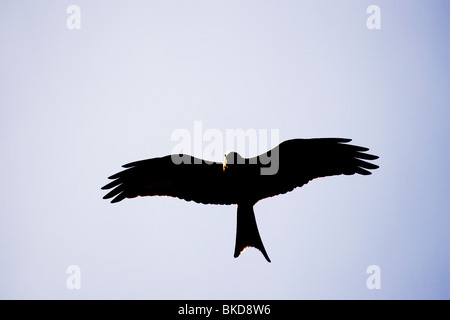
column 193, row 179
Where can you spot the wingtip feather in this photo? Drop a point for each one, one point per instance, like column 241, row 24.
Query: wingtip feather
column 119, row 197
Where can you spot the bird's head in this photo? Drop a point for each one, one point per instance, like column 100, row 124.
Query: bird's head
column 232, row 158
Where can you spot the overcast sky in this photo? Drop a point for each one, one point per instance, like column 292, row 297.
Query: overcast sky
column 82, row 95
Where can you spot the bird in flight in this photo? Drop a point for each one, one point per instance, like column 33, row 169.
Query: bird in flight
column 241, row 181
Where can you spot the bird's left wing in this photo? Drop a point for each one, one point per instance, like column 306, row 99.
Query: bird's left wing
column 299, row 161
column 193, row 180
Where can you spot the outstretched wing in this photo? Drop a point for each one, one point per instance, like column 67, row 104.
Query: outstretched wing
column 299, row 161
column 193, row 179
column 291, row 164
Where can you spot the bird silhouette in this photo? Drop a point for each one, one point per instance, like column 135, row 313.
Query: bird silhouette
column 241, row 181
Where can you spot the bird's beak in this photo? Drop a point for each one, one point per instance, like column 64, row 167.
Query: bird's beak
column 225, row 163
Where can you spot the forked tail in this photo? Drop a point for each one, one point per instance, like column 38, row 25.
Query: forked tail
column 247, row 234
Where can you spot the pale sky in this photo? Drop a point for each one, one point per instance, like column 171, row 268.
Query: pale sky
column 76, row 104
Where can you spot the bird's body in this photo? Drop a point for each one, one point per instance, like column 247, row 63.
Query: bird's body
column 241, row 181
